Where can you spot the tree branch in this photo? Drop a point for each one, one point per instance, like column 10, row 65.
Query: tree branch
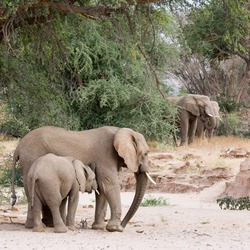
column 93, row 12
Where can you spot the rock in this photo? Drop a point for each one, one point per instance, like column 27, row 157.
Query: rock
column 235, row 153
column 240, row 187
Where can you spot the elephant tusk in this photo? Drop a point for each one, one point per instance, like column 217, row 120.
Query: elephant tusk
column 150, row 178
column 210, row 115
column 97, row 192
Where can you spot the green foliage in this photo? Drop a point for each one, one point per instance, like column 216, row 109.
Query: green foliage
column 32, row 94
column 230, row 124
column 10, row 125
column 124, row 106
column 154, row 202
column 6, row 175
column 79, row 74
column 230, row 116
column 115, row 87
column 231, row 203
column 6, row 172
column 5, row 197
column 219, row 28
column 227, row 103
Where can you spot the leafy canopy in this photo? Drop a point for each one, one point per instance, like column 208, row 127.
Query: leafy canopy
column 219, row 28
column 80, row 73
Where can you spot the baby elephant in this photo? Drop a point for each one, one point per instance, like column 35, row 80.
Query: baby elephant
column 51, row 181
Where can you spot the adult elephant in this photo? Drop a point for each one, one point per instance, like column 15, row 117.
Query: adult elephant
column 201, row 124
column 190, row 108
column 108, row 148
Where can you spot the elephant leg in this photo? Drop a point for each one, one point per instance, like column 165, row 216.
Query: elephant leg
column 59, row 226
column 200, row 130
column 114, row 201
column 54, row 206
column 191, row 131
column 110, row 192
column 72, row 206
column 100, row 212
column 184, row 132
column 53, row 199
column 29, row 223
column 210, row 133
column 47, row 216
column 37, row 209
column 63, row 209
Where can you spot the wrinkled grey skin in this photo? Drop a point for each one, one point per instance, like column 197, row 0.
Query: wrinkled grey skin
column 108, row 148
column 190, row 108
column 53, row 180
column 202, row 130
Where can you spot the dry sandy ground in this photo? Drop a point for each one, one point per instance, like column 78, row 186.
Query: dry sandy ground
column 192, row 220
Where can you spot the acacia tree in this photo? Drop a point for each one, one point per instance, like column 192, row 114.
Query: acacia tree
column 217, row 32
column 85, row 64
column 213, row 78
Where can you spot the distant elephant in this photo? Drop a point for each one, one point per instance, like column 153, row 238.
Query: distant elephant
column 53, row 180
column 201, row 129
column 108, row 148
column 190, row 108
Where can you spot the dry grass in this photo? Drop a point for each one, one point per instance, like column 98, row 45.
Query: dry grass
column 4, row 137
column 222, row 142
column 217, row 142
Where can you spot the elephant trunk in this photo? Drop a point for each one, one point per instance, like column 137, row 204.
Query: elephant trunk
column 141, row 186
column 210, row 123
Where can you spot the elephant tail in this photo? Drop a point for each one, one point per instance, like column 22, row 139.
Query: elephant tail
column 13, row 178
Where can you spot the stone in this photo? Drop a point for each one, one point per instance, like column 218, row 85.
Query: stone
column 240, row 187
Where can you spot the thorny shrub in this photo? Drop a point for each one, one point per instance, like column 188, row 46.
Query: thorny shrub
column 231, row 203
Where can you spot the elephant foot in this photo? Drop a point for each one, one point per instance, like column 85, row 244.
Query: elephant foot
column 39, row 228
column 71, row 228
column 48, row 222
column 29, row 223
column 60, row 229
column 98, row 226
column 114, row 227
column 47, row 217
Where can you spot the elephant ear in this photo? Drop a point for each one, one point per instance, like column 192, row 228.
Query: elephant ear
column 80, row 174
column 191, row 105
column 216, row 107
column 129, row 144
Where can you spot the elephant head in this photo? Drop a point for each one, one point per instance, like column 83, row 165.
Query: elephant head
column 213, row 122
column 85, row 177
column 133, row 148
column 200, row 106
